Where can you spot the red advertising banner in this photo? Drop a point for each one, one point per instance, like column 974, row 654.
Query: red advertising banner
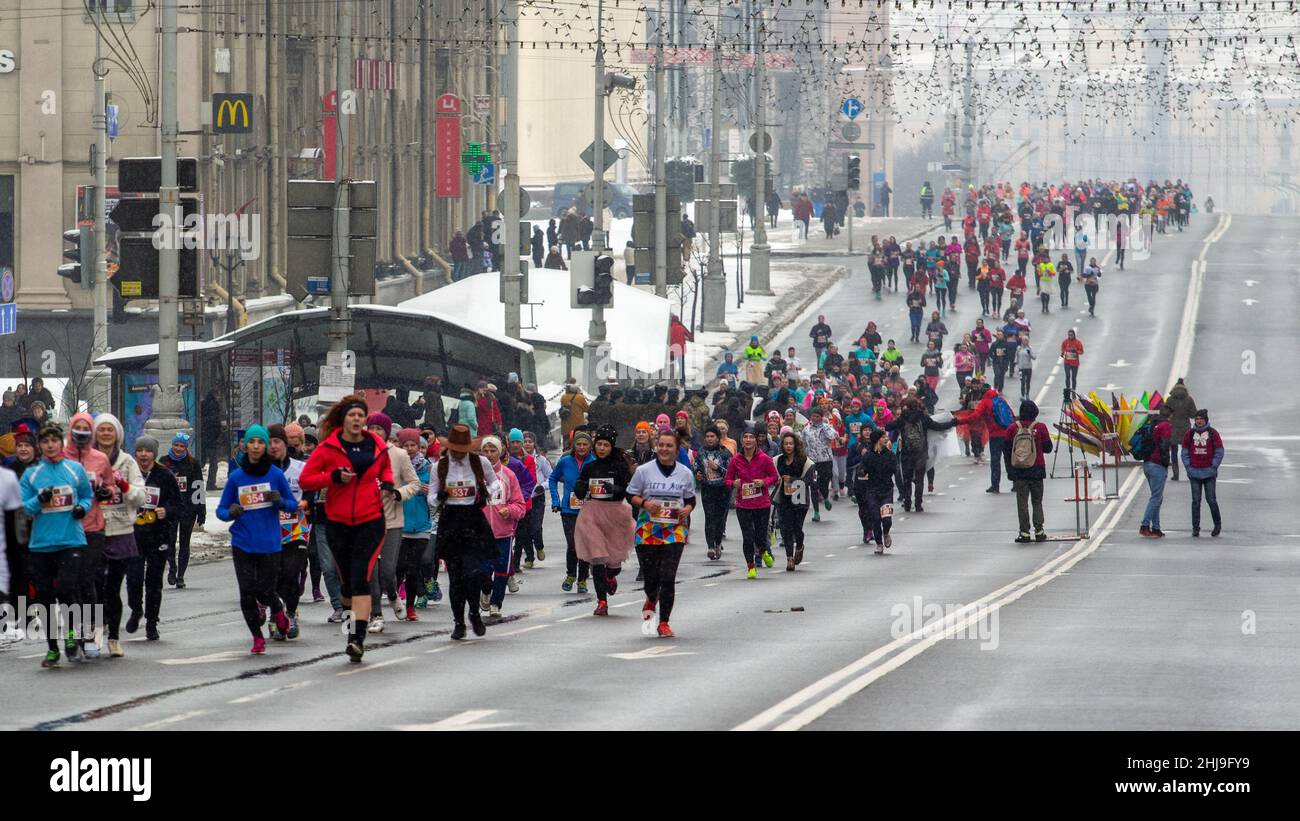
column 447, row 145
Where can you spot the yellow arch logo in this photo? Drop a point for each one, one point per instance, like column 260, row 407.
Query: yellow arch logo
column 230, row 113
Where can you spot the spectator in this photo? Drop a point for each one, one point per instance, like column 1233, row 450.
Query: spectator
column 40, row 393
column 573, row 409
column 629, row 262
column 488, row 411
column 554, row 261
column 538, row 245
column 9, row 412
column 570, row 231
column 1202, row 455
column 210, row 442
column 466, row 413
column 587, row 228
column 460, row 257
column 1027, row 441
column 433, row 410
column 679, row 335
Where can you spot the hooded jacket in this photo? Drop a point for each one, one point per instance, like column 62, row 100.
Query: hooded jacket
column 510, row 498
column 358, row 501
column 1182, row 408
column 53, row 527
column 257, row 530
column 743, row 471
column 161, row 485
column 408, row 487
column 98, row 470
column 120, row 511
column 416, row 517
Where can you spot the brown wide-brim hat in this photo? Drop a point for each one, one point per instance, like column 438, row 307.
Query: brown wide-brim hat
column 458, row 440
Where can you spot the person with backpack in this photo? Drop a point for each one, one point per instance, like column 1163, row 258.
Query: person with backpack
column 1026, row 442
column 913, row 448
column 996, row 414
column 1150, row 444
column 1202, row 454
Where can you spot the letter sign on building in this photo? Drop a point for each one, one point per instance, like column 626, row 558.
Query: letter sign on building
column 231, row 113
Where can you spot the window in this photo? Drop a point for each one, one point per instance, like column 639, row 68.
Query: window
column 6, row 220
column 113, row 10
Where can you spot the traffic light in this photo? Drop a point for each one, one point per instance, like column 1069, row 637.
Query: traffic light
column 82, row 253
column 853, row 172
column 592, row 279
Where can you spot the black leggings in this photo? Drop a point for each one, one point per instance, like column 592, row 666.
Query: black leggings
column 256, row 574
column 288, row 582
column 57, row 577
column 1064, row 285
column 875, row 526
column 313, row 564
column 356, row 551
column 753, row 531
column 825, row 471
column 409, row 568
column 573, row 565
column 462, row 572
column 1091, row 291
column 115, row 571
column 659, row 565
column 1072, row 377
column 715, row 514
column 91, row 578
column 995, row 300
column 178, row 556
column 792, row 517
column 144, row 581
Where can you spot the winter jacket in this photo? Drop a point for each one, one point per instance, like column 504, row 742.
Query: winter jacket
column 189, row 481
column 359, row 500
column 489, row 415
column 53, row 526
column 98, row 470
column 407, row 484
column 120, row 511
column 257, row 529
column 1044, row 441
column 907, row 423
column 1202, row 452
column 416, row 519
column 160, row 492
column 467, row 414
column 527, row 478
column 744, row 473
column 508, row 497
column 797, row 478
column 1071, row 349
column 721, row 458
column 1182, row 408
column 1161, row 435
column 1025, row 357
column 563, row 479
column 817, row 440
column 874, row 473
column 611, row 474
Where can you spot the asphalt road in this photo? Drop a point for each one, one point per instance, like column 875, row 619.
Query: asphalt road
column 1135, row 634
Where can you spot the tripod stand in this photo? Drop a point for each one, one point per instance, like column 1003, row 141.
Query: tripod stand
column 1067, row 396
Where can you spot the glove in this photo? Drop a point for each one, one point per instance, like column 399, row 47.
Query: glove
column 123, row 485
column 45, row 495
column 273, row 496
column 388, row 486
column 103, row 494
column 78, row 512
column 235, row 511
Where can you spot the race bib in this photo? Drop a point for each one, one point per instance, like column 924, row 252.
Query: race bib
column 286, row 518
column 115, row 500
column 600, row 488
column 855, row 427
column 670, row 511
column 886, row 511
column 152, row 495
column 255, row 497
column 750, row 490
column 821, row 338
column 61, row 501
column 574, row 501
column 460, row 490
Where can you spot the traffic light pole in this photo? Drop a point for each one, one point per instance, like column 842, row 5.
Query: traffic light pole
column 168, row 408
column 98, row 387
column 341, row 323
column 661, row 139
column 760, row 280
column 510, row 262
column 593, row 349
column 715, row 279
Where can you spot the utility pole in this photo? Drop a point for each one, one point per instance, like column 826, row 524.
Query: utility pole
column 510, row 262
column 97, row 382
column 661, row 148
column 759, row 262
column 593, row 349
column 968, row 116
column 341, row 323
column 169, row 408
column 715, row 279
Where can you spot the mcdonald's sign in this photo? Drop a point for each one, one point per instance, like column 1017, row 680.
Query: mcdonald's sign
column 231, row 113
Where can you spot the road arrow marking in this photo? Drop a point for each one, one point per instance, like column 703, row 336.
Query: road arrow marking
column 224, row 655
column 172, row 719
column 1120, row 364
column 1251, row 283
column 1109, row 386
column 659, row 651
column 1250, row 302
column 369, row 667
column 462, row 721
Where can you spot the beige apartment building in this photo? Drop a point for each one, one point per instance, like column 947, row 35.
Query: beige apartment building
column 283, row 53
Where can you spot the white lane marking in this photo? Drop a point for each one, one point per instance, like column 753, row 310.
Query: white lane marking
column 575, row 618
column 710, row 584
column 224, row 655
column 830, row 555
column 1106, row 522
column 1251, row 283
column 659, row 651
column 226, row 623
column 272, row 692
column 854, row 547
column 390, row 662
column 176, row 719
column 463, row 721
column 1120, row 364
column 1250, row 302
column 439, row 649
column 530, row 629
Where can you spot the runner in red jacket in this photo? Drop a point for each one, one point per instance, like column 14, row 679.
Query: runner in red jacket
column 353, row 464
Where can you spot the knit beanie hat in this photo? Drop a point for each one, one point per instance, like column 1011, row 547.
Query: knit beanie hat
column 257, row 432
column 148, row 443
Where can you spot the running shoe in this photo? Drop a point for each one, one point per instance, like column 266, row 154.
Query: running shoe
column 458, row 632
column 399, row 609
column 512, row 584
column 51, row 661
column 528, row 565
column 316, row 595
column 435, row 594
column 1040, row 536
column 292, row 632
column 768, row 561
column 880, row 550
column 337, row 617
column 612, row 583
column 281, row 631
column 753, row 572
column 494, row 612
column 1023, row 538
column 355, row 650
column 90, row 650
column 115, row 649
column 582, row 587
column 888, row 542
column 1145, row 531
column 789, row 564
column 817, row 515
column 1217, row 530
column 133, row 621
column 1196, row 532
column 171, row 576
column 484, row 601
column 567, row 584
column 410, row 614
column 401, row 591
column 151, row 631
column 665, row 632
column 602, row 609
column 828, row 503
column 376, row 625
column 70, row 646
column 798, row 555
column 647, row 609
column 713, row 554
column 259, row 646
column 541, row 555
column 180, row 584
column 421, row 602
column 476, row 624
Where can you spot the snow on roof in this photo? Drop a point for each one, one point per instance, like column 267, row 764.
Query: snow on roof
column 636, row 327
column 150, row 351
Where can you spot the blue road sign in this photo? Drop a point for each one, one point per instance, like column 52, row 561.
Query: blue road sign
column 110, row 112
column 318, row 285
column 8, row 318
column 487, row 174
column 6, row 284
column 851, row 108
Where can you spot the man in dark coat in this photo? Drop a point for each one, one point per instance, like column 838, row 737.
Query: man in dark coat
column 434, row 414
column 210, row 443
